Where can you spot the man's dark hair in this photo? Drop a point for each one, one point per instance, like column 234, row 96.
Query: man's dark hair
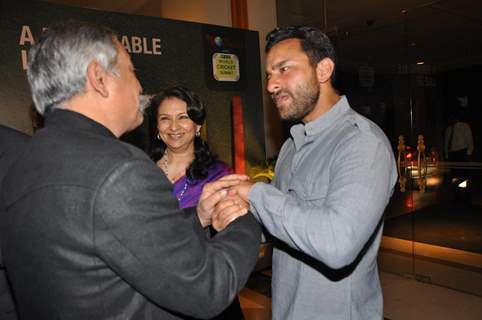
column 314, row 43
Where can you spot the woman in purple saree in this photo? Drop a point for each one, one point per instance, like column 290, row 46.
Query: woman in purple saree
column 188, row 191
column 177, row 115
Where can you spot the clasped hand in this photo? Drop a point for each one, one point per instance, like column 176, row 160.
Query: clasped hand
column 223, row 201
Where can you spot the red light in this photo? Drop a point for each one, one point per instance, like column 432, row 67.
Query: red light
column 409, row 202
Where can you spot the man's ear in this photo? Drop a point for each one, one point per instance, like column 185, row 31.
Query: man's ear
column 96, row 78
column 324, row 70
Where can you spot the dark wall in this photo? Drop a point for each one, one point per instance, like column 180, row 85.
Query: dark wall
column 418, row 104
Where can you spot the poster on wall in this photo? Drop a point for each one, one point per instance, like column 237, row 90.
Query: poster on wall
column 164, row 53
column 224, row 57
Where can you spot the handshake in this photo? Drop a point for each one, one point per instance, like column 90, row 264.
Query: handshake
column 223, row 201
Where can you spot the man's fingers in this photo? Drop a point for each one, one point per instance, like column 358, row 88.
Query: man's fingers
column 231, row 201
column 226, row 220
column 232, row 191
column 240, row 177
column 212, row 200
column 213, row 193
column 227, row 212
column 220, row 184
column 223, row 204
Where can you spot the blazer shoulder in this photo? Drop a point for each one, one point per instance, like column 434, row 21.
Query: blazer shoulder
column 11, row 139
column 12, row 143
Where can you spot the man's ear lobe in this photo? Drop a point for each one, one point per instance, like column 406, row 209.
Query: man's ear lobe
column 96, row 78
column 324, row 70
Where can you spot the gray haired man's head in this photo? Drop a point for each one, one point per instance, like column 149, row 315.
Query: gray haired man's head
column 58, row 62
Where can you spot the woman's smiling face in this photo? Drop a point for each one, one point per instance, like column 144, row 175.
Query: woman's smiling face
column 175, row 127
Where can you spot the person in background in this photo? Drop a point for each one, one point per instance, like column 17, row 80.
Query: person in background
column 333, row 179
column 459, row 143
column 91, row 229
column 177, row 115
column 458, row 147
column 12, row 142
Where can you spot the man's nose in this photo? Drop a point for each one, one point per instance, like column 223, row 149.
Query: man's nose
column 272, row 84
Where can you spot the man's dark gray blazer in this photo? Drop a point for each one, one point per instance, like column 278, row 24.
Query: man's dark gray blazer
column 92, row 231
column 11, row 144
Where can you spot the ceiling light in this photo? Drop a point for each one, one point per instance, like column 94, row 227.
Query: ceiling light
column 463, row 184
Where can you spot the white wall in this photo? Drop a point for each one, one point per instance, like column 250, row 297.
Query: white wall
column 216, row 12
column 142, row 7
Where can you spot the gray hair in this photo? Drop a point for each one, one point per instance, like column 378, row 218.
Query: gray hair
column 58, row 63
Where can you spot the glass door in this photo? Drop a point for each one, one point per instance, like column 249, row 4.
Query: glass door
column 429, row 105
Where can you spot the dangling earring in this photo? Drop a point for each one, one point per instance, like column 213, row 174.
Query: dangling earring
column 158, row 136
column 198, row 133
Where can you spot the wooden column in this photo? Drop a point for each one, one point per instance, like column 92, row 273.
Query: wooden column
column 239, row 18
column 239, row 14
column 239, row 160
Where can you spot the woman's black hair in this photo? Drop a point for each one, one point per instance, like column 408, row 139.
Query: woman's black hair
column 204, row 158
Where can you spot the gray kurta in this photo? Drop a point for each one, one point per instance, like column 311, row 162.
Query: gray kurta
column 333, row 179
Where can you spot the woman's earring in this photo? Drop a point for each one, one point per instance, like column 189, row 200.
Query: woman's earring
column 198, row 133
column 158, row 136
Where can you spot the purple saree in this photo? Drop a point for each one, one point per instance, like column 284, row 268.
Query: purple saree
column 188, row 192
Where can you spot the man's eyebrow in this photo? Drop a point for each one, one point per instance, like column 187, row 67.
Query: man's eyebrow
column 276, row 66
column 279, row 64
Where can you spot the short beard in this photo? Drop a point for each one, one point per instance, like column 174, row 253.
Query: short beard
column 304, row 100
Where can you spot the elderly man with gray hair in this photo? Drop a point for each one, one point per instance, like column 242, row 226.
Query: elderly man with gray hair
column 91, row 230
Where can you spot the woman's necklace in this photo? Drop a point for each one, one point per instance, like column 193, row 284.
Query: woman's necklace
column 166, row 172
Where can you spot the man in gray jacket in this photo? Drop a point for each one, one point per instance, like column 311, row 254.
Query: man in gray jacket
column 333, row 179
column 91, row 229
